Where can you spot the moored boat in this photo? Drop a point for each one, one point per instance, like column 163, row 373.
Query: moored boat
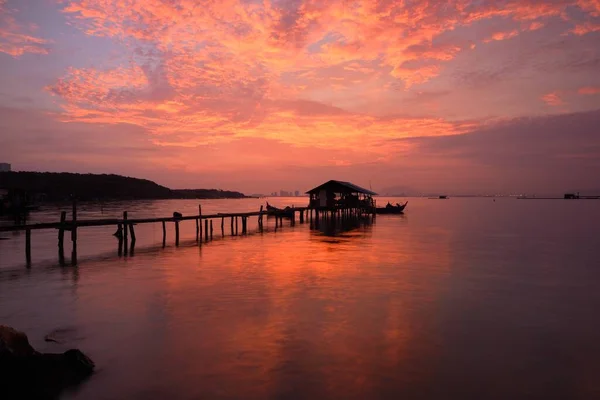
column 286, row 212
column 391, row 209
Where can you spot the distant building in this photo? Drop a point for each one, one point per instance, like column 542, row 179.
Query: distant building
column 274, row 194
column 297, row 193
column 4, row 167
column 283, row 193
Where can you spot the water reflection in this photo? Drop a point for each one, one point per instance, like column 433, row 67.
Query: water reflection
column 445, row 306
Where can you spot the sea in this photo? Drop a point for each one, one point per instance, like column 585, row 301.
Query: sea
column 464, row 298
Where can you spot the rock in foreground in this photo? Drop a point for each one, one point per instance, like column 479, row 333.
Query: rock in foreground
column 28, row 374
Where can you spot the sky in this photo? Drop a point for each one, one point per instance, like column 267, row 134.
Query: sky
column 471, row 96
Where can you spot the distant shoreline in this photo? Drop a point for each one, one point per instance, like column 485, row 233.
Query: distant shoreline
column 62, row 186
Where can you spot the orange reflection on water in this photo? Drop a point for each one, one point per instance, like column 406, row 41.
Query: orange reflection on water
column 296, row 309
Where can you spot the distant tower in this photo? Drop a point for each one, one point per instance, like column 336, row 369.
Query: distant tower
column 297, row 193
column 5, row 167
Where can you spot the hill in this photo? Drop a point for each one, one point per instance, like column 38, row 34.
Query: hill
column 61, row 186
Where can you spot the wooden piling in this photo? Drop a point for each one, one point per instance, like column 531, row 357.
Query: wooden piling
column 61, row 236
column 206, row 229
column 232, row 225
column 125, row 232
column 176, row 233
column 28, row 246
column 74, row 233
column 197, row 229
column 260, row 218
column 243, row 225
column 132, row 232
column 164, row 230
column 236, row 225
column 211, row 230
column 120, row 246
column 222, row 226
column 199, row 239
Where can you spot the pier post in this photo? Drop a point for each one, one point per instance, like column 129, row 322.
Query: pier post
column 132, row 232
column 232, row 225
column 74, row 234
column 199, row 225
column 197, row 229
column 211, row 230
column 301, row 216
column 222, row 226
column 236, row 225
column 176, row 233
column 28, row 247
column 164, row 230
column 120, row 237
column 243, row 225
column 125, row 233
column 61, row 237
column 260, row 218
column 206, row 229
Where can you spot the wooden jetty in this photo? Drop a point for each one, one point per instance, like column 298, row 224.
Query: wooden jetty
column 334, row 200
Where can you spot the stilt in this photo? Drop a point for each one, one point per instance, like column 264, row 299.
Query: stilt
column 132, row 232
column 236, row 226
column 232, row 225
column 125, row 233
column 176, row 233
column 61, row 237
column 164, row 229
column 28, row 247
column 199, row 239
column 206, row 229
column 211, row 230
column 197, row 229
column 120, row 236
column 74, row 234
column 222, row 226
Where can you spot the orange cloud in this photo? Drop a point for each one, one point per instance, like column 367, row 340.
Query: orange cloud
column 497, row 36
column 589, row 90
column 233, row 69
column 552, row 99
column 585, row 28
column 14, row 39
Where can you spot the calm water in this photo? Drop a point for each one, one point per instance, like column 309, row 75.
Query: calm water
column 457, row 299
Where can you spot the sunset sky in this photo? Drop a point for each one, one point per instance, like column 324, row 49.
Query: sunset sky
column 257, row 96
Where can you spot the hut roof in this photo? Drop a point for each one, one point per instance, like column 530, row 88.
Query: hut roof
column 341, row 187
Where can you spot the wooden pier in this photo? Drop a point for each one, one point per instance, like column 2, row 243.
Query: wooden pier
column 125, row 226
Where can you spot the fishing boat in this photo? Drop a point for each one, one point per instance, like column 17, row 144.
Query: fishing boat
column 286, row 212
column 391, row 209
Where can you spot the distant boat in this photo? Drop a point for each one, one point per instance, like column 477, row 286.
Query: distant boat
column 391, row 209
column 440, row 197
column 443, row 197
